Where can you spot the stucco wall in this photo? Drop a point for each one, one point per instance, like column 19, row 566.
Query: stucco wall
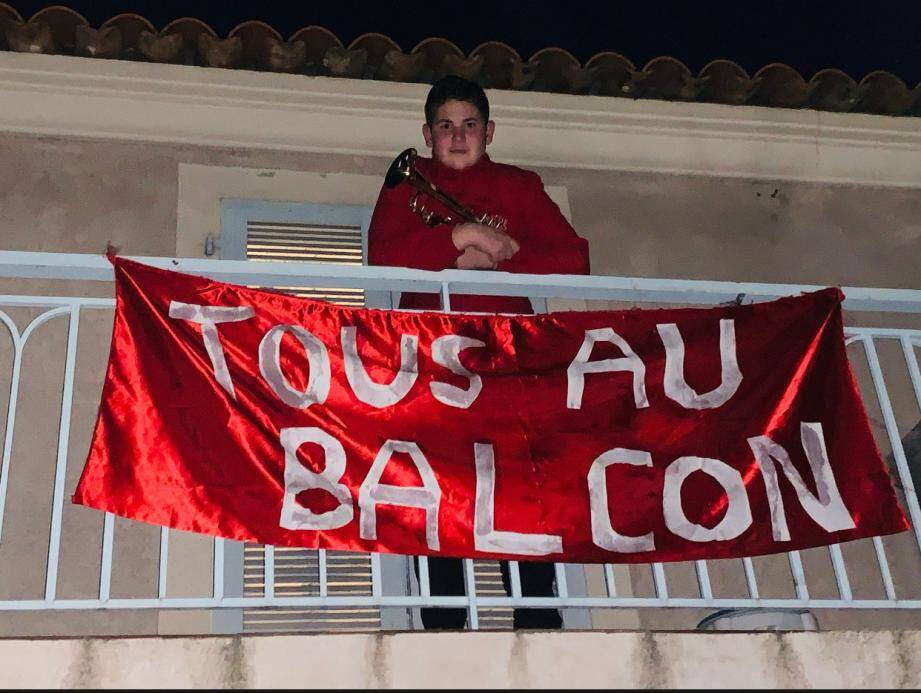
column 494, row 660
column 65, row 195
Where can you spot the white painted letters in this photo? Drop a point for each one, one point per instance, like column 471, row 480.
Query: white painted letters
column 208, row 317
column 318, row 380
column 581, row 365
column 372, row 492
column 828, row 508
column 603, row 533
column 377, row 394
column 677, row 388
column 738, row 515
column 446, row 352
column 298, row 478
column 485, row 536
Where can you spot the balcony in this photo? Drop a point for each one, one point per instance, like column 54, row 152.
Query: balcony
column 67, row 570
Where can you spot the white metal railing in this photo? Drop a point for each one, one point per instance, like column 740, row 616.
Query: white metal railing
column 888, row 582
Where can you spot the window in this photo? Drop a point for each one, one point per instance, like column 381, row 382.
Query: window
column 298, row 232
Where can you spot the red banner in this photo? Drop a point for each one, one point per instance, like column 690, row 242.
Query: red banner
column 614, row 436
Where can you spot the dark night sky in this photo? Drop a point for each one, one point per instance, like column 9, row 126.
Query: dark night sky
column 857, row 36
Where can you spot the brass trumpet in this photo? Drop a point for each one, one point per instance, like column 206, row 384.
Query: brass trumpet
column 403, row 170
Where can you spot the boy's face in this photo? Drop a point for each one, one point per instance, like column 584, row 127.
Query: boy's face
column 458, row 136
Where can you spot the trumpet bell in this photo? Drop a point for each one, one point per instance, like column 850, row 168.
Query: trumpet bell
column 401, row 168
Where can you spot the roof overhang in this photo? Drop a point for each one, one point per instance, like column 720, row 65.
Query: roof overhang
column 144, row 102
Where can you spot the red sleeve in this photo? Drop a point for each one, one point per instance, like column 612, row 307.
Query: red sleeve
column 399, row 238
column 549, row 244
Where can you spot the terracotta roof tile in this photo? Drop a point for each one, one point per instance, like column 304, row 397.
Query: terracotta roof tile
column 883, row 92
column 668, row 79
column 7, row 12
column 497, row 70
column 63, row 22
column 377, row 46
column 130, row 25
column 256, row 40
column 613, row 74
column 780, row 85
column 315, row 50
column 317, row 41
column 835, row 91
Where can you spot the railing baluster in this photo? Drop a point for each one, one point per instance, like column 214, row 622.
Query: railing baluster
column 609, row 583
column 321, row 567
column 562, row 587
column 473, row 617
column 514, row 577
column 376, row 590
column 911, row 361
column 837, row 562
column 703, row 579
column 268, row 571
column 445, row 297
column 799, row 575
column 163, row 563
column 105, row 572
column 884, row 571
column 218, row 588
column 750, row 578
column 425, row 589
column 10, row 413
column 658, row 579
column 60, row 467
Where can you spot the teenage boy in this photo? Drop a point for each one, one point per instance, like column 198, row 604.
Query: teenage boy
column 537, row 240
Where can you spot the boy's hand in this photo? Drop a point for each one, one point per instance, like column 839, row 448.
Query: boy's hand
column 496, row 244
column 474, row 259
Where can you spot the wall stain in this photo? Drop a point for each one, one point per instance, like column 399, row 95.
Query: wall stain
column 378, row 674
column 82, row 673
column 654, row 671
column 233, row 672
column 518, row 662
column 906, row 665
column 790, row 672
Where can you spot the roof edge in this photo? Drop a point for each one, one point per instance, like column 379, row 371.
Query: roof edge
column 142, row 102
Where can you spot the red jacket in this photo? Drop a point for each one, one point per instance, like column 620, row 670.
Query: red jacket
column 549, row 245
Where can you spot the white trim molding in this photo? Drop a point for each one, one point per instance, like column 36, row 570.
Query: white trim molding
column 83, row 97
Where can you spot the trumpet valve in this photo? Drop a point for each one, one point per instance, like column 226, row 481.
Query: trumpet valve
column 494, row 221
column 428, row 216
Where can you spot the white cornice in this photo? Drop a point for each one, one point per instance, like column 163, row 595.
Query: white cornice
column 58, row 95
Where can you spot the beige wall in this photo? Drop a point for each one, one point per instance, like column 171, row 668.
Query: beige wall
column 78, row 195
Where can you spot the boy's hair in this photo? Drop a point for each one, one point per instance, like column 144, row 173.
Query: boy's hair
column 454, row 88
